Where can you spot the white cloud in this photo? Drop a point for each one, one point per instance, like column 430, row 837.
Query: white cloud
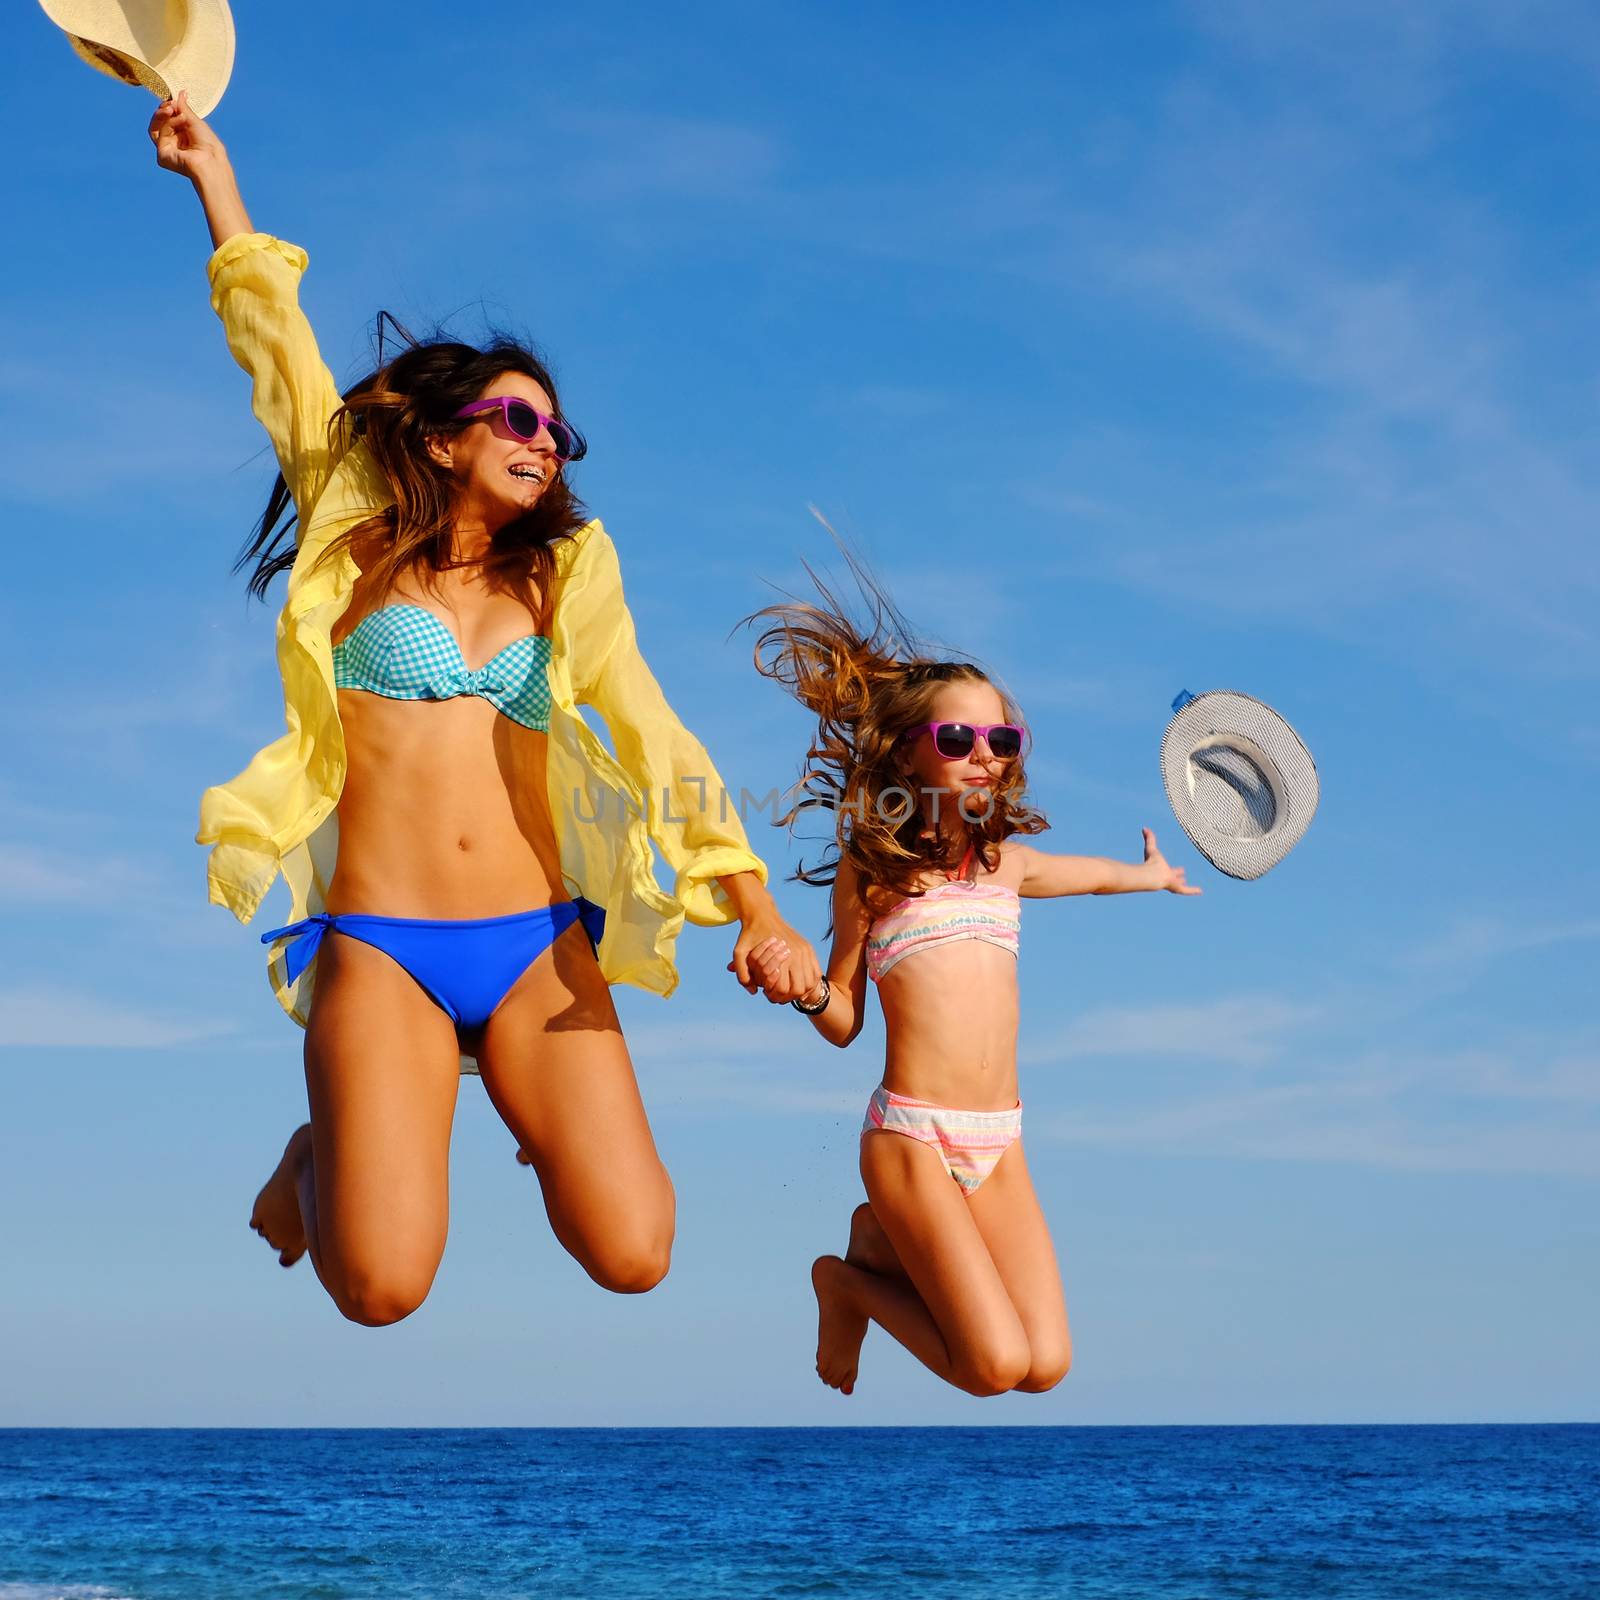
column 44, row 1017
column 628, row 155
column 1245, row 1030
column 1293, row 227
column 1348, row 1129
column 1529, row 1106
column 32, row 876
column 1476, row 939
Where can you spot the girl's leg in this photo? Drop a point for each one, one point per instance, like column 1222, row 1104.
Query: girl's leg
column 840, row 1327
column 1006, row 1211
column 369, row 1176
column 557, row 1070
column 951, row 1310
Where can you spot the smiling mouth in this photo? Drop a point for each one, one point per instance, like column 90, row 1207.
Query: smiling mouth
column 526, row 474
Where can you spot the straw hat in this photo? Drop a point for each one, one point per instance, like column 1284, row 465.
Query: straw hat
column 166, row 45
column 1242, row 785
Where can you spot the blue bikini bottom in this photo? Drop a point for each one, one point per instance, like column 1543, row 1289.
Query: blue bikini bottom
column 465, row 968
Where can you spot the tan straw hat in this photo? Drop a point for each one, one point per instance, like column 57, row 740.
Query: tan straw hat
column 166, row 45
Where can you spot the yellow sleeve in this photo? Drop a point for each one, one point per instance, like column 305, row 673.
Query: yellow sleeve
column 255, row 282
column 692, row 819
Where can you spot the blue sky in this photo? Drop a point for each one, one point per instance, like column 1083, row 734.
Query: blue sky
column 1138, row 348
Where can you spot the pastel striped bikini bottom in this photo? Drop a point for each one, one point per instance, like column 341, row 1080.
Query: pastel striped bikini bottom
column 968, row 1142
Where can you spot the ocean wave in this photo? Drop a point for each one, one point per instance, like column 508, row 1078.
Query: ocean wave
column 60, row 1591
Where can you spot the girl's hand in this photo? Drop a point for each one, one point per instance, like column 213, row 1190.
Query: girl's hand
column 769, row 968
column 184, row 142
column 765, row 966
column 1160, row 874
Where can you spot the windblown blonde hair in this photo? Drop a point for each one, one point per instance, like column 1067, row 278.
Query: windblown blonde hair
column 869, row 683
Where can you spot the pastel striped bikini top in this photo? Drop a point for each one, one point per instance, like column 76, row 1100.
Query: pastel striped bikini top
column 962, row 908
column 404, row 652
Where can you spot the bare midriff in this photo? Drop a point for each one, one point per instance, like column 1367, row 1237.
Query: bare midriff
column 445, row 811
column 950, row 1013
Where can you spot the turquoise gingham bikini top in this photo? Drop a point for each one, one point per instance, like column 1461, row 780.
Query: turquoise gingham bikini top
column 405, row 652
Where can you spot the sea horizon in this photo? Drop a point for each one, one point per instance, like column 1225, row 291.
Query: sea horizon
column 745, row 1427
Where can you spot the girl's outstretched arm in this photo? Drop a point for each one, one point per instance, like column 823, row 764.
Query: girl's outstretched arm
column 1045, row 877
column 840, row 1020
column 186, row 145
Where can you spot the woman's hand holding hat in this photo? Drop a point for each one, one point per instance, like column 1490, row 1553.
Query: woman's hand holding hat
column 186, row 145
column 184, row 141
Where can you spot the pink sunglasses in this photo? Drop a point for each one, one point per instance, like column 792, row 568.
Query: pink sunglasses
column 521, row 419
column 955, row 740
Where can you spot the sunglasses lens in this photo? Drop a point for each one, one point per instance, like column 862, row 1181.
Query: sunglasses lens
column 525, row 422
column 563, row 438
column 953, row 740
column 522, row 419
column 1005, row 742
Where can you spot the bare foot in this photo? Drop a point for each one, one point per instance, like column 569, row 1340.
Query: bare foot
column 840, row 1327
column 869, row 1246
column 276, row 1216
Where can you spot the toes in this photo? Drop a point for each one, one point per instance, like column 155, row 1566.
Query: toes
column 844, row 1382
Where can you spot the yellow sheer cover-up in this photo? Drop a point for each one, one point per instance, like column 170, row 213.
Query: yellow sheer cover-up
column 278, row 815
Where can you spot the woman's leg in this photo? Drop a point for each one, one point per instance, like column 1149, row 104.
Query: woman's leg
column 951, row 1309
column 1007, row 1213
column 365, row 1186
column 557, row 1070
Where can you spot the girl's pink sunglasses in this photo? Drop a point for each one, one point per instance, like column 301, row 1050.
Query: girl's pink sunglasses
column 955, row 740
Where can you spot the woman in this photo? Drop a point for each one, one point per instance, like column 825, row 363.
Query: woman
column 469, row 865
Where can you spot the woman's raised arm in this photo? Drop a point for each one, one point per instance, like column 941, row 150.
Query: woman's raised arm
column 186, row 145
column 255, row 283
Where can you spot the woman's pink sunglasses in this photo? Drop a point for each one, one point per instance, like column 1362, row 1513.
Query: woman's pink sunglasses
column 521, row 419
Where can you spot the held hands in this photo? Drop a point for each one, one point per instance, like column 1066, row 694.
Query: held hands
column 772, row 966
column 1159, row 874
column 772, row 959
column 184, row 142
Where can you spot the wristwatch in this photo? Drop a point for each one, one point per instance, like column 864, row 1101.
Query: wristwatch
column 816, row 1009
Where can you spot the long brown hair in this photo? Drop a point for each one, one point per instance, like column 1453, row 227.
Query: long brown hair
column 869, row 683
column 394, row 410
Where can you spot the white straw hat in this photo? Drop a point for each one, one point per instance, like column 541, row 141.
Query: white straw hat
column 166, row 45
column 1242, row 785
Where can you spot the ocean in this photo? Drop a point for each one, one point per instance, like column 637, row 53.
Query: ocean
column 1361, row 1513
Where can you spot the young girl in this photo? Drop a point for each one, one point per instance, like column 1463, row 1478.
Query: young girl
column 470, row 867
column 921, row 760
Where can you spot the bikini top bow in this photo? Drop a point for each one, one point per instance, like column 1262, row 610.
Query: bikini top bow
column 488, row 682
